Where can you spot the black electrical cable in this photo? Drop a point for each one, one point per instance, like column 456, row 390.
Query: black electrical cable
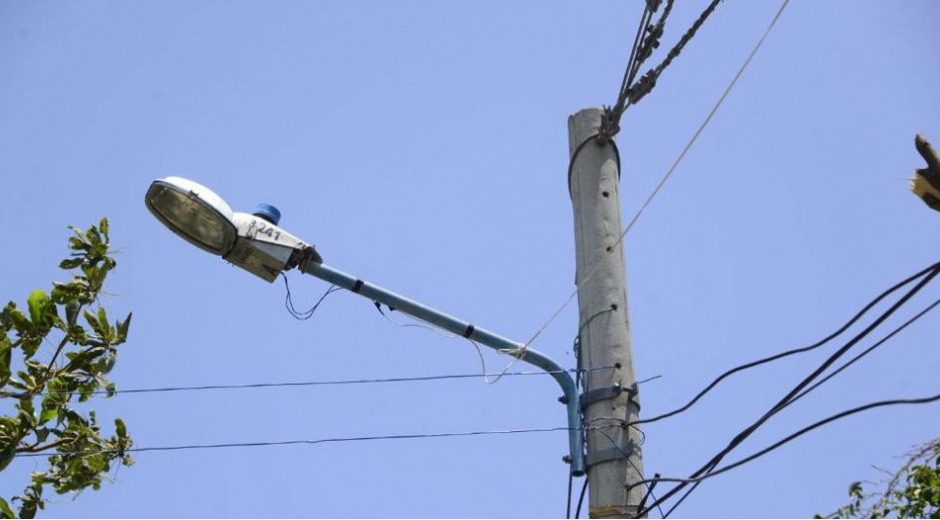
column 570, row 484
column 681, row 499
column 632, row 66
column 865, row 352
column 649, row 493
column 786, row 400
column 643, row 46
column 577, row 512
column 800, row 350
column 646, row 83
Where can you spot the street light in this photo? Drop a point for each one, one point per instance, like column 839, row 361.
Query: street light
column 255, row 243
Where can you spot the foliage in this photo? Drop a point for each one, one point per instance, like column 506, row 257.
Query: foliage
column 912, row 492
column 40, row 387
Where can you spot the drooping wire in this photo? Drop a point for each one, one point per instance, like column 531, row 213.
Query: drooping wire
column 662, row 182
column 787, row 400
column 330, row 440
column 304, row 315
column 800, row 350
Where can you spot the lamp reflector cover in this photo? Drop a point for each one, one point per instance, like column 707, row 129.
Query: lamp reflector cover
column 193, row 212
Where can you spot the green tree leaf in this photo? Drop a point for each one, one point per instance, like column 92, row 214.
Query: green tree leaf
column 38, row 304
column 7, row 453
column 103, row 226
column 70, row 263
column 5, row 510
column 72, row 369
column 6, row 356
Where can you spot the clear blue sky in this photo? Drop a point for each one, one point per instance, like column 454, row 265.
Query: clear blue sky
column 423, row 146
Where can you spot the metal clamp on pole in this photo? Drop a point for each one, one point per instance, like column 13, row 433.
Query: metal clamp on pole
column 600, row 394
column 612, row 453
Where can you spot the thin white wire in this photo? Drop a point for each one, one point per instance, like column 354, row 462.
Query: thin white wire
column 665, row 177
column 517, row 353
column 419, row 325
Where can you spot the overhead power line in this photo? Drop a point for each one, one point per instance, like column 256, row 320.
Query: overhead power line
column 338, row 382
column 329, row 440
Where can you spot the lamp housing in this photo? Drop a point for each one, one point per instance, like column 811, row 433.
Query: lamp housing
column 202, row 218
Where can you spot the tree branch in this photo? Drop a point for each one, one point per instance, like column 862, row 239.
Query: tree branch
column 36, row 448
column 62, row 343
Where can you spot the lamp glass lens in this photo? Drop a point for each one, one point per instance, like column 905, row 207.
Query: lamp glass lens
column 188, row 217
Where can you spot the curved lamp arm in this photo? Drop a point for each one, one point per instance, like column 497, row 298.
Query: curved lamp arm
column 373, row 292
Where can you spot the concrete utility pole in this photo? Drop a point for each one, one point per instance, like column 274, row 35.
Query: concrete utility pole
column 614, row 458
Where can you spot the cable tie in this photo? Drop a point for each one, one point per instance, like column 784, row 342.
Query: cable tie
column 469, row 332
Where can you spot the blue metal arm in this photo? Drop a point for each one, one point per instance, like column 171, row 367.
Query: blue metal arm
column 467, row 330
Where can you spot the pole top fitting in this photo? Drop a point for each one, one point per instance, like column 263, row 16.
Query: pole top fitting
column 610, row 126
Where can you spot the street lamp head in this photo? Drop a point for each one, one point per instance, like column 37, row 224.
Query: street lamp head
column 253, row 242
column 193, row 212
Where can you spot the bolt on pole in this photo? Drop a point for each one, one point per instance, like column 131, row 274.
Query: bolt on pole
column 610, row 398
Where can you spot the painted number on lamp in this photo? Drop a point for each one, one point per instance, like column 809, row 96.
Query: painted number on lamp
column 262, row 228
